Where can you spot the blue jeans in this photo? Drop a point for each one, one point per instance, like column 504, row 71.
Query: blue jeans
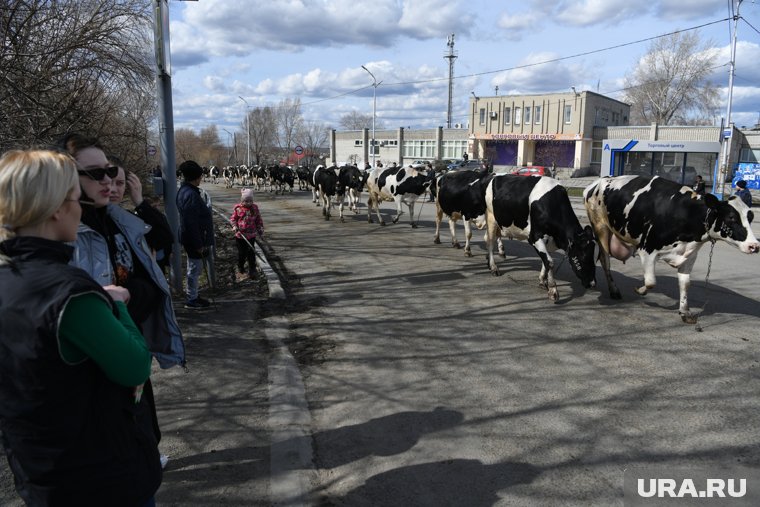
column 194, row 267
column 150, row 503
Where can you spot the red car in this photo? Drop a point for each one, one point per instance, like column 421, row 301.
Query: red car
column 533, row 170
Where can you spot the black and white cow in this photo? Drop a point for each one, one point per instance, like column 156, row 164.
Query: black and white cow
column 351, row 182
column 215, row 172
column 661, row 219
column 326, row 182
column 281, row 177
column 398, row 184
column 460, row 195
column 305, row 175
column 538, row 209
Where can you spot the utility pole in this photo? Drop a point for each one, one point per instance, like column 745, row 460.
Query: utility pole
column 247, row 129
column 166, row 133
column 726, row 141
column 451, row 56
column 375, row 84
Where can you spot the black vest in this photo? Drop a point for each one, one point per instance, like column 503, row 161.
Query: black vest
column 70, row 434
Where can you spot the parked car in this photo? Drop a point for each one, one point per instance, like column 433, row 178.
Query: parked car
column 533, row 170
column 465, row 164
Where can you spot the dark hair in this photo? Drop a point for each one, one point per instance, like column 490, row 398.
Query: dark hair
column 75, row 142
column 115, row 160
column 741, row 184
column 190, row 170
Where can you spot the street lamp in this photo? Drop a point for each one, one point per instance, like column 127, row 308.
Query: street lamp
column 247, row 129
column 375, row 84
column 232, row 143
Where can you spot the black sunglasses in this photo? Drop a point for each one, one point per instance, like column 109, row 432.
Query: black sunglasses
column 98, row 173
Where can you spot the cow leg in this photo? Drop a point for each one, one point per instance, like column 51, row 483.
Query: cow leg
column 603, row 240
column 340, row 211
column 398, row 211
column 438, row 218
column 684, row 280
column 493, row 231
column 411, row 215
column 546, row 276
column 453, row 232
column 467, row 237
column 650, row 280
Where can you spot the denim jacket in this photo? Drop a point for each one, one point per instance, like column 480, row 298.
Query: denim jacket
column 161, row 329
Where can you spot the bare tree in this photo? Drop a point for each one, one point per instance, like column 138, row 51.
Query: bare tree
column 669, row 84
column 288, row 121
column 358, row 121
column 263, row 125
column 75, row 65
column 313, row 136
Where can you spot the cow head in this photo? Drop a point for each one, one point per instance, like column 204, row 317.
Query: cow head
column 730, row 221
column 581, row 256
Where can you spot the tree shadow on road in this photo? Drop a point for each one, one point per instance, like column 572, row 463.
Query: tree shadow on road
column 461, row 481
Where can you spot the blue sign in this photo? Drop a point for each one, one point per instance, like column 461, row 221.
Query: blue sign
column 749, row 173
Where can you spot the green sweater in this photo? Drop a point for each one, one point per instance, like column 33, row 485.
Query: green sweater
column 89, row 329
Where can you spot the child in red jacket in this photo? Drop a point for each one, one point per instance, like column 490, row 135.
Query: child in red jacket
column 246, row 220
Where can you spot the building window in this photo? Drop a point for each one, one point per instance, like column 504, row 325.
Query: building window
column 596, row 152
column 507, row 115
column 358, row 142
column 749, row 155
column 453, row 148
column 420, row 148
column 482, row 116
column 518, row 115
column 568, row 114
column 527, row 115
column 537, row 114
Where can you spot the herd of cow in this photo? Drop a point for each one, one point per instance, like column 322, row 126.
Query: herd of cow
column 655, row 218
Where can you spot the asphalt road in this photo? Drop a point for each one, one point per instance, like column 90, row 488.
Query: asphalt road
column 431, row 382
column 428, row 381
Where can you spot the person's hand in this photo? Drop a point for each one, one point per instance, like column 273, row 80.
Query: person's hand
column 117, row 293
column 134, row 185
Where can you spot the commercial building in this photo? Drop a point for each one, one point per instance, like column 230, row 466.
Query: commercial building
column 579, row 132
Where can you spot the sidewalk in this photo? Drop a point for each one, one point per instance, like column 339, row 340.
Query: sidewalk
column 236, row 425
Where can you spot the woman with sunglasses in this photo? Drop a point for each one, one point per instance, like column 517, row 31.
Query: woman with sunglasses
column 70, row 355
column 112, row 248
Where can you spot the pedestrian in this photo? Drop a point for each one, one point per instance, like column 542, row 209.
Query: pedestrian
column 465, row 156
column 699, row 185
column 160, row 237
column 248, row 225
column 743, row 193
column 111, row 246
column 71, row 359
column 196, row 229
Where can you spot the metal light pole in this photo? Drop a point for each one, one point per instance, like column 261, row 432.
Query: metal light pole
column 727, row 140
column 375, row 84
column 166, row 133
column 232, row 140
column 247, row 129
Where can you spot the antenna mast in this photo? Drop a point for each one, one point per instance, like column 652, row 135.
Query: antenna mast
column 450, row 56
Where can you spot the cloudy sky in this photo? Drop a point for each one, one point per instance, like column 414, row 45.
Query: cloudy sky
column 267, row 51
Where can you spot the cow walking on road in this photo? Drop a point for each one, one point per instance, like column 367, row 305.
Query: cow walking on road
column 661, row 219
column 326, row 182
column 398, row 184
column 460, row 195
column 351, row 182
column 538, row 209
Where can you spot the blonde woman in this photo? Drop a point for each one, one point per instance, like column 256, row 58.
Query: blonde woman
column 70, row 355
